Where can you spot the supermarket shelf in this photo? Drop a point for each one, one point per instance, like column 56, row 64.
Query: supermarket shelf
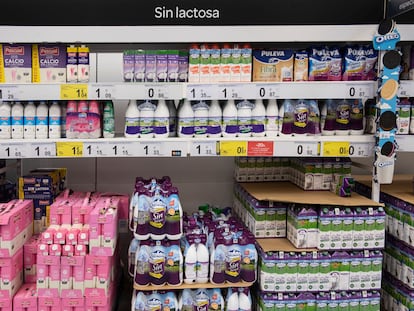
column 268, row 90
column 192, row 286
column 309, row 146
column 192, row 91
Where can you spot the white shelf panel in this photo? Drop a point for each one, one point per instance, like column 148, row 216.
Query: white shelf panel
column 190, row 34
column 193, row 91
column 252, row 90
column 406, row 88
column 304, row 146
column 405, row 143
column 100, row 91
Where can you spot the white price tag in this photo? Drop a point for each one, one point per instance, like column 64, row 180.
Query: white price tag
column 14, row 150
column 307, row 149
column 110, row 149
column 155, row 91
column 9, row 92
column 267, row 91
column 360, row 149
column 201, row 91
column 300, row 149
column 358, row 90
column 151, row 149
column 406, row 88
column 42, row 150
column 102, row 91
column 203, row 148
column 93, row 149
column 232, row 91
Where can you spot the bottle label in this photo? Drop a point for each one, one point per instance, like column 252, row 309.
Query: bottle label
column 233, row 263
column 131, row 126
column 17, row 120
column 161, row 125
column 55, row 121
column 342, row 114
column 157, row 216
column 29, row 121
column 41, row 120
column 301, row 117
column 258, row 124
column 157, row 264
column 230, row 125
column 186, row 126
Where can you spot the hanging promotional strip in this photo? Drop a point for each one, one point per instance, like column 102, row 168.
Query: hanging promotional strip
column 385, row 41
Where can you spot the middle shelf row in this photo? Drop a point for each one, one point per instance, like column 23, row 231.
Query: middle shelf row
column 197, row 91
column 305, row 146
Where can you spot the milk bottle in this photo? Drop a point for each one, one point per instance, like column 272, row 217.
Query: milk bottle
column 272, row 118
column 17, row 120
column 258, row 118
column 230, row 128
column 132, row 120
column 55, row 120
column 214, row 119
column 185, row 120
column 29, row 126
column 5, row 120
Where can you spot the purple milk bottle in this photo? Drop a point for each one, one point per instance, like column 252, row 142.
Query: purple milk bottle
column 249, row 258
column 141, row 215
column 142, row 266
column 174, row 223
column 174, row 262
column 342, row 122
column 233, row 259
column 287, row 116
column 218, row 262
column 157, row 214
column 301, row 117
column 157, row 264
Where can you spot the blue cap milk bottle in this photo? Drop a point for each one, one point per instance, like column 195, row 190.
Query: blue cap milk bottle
column 142, row 266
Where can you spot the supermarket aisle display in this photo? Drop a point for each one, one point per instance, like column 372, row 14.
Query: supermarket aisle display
column 187, row 256
column 16, row 229
column 72, row 262
column 331, row 253
column 398, row 255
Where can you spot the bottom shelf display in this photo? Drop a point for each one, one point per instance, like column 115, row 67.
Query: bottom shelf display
column 231, row 299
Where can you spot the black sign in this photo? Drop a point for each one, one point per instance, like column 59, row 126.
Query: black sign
column 398, row 7
column 190, row 12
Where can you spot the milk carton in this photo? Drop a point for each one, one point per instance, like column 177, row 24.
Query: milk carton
column 272, row 65
column 16, row 63
column 173, row 65
column 235, row 65
column 72, row 64
column 205, row 64
column 215, row 66
column 183, row 66
column 302, row 228
column 150, row 66
column 246, row 64
column 83, row 64
column 50, row 66
column 162, row 65
column 225, row 63
column 139, row 66
column 194, row 64
column 267, row 272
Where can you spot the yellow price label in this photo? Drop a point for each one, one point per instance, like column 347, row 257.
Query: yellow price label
column 336, row 149
column 233, row 148
column 73, row 91
column 69, row 149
